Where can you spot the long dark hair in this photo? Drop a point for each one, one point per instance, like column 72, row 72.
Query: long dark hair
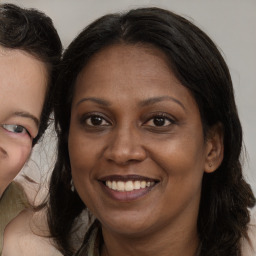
column 198, row 64
column 33, row 32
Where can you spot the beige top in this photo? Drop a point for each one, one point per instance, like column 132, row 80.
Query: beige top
column 249, row 248
column 12, row 202
column 93, row 245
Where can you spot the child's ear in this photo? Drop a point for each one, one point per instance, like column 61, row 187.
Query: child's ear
column 214, row 148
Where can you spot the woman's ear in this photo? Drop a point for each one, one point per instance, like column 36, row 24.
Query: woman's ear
column 214, row 148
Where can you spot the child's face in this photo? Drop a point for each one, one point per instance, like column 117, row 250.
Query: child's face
column 23, row 83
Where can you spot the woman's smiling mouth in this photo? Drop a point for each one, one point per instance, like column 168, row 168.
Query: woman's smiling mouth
column 129, row 185
column 126, row 188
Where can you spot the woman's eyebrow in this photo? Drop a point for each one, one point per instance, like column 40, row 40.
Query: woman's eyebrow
column 154, row 100
column 96, row 100
column 27, row 115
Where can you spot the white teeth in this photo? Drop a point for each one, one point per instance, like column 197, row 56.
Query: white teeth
column 128, row 185
column 136, row 184
column 113, row 184
column 120, row 185
column 143, row 184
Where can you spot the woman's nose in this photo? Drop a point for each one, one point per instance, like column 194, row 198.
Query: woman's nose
column 125, row 146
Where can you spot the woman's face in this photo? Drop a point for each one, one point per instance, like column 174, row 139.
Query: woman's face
column 136, row 142
column 23, row 81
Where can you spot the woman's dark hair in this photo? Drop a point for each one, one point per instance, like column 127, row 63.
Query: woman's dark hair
column 198, row 64
column 32, row 31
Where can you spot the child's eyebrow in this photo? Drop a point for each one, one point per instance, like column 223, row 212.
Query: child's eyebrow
column 27, row 115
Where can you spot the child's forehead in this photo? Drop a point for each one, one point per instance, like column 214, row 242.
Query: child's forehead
column 9, row 52
column 5, row 51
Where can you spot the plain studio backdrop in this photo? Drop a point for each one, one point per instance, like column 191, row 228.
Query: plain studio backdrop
column 230, row 23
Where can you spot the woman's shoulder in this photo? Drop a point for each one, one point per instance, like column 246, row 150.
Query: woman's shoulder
column 249, row 247
column 27, row 235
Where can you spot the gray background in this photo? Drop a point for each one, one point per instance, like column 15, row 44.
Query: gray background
column 230, row 23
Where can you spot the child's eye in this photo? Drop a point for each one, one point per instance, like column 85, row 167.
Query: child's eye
column 96, row 120
column 15, row 128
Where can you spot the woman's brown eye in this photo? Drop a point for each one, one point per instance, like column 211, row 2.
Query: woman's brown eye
column 159, row 121
column 96, row 121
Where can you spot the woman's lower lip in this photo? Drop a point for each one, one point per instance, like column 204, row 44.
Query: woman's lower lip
column 126, row 196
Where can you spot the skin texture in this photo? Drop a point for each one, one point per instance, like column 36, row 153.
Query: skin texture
column 23, row 87
column 127, row 91
column 27, row 234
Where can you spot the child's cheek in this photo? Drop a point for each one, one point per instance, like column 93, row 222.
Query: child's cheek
column 12, row 159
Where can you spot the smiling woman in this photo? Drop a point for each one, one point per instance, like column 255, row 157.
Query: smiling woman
column 29, row 51
column 146, row 144
column 149, row 142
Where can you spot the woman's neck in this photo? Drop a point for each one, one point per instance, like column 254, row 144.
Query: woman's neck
column 164, row 243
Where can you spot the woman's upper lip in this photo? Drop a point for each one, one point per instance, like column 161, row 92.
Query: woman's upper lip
column 132, row 177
